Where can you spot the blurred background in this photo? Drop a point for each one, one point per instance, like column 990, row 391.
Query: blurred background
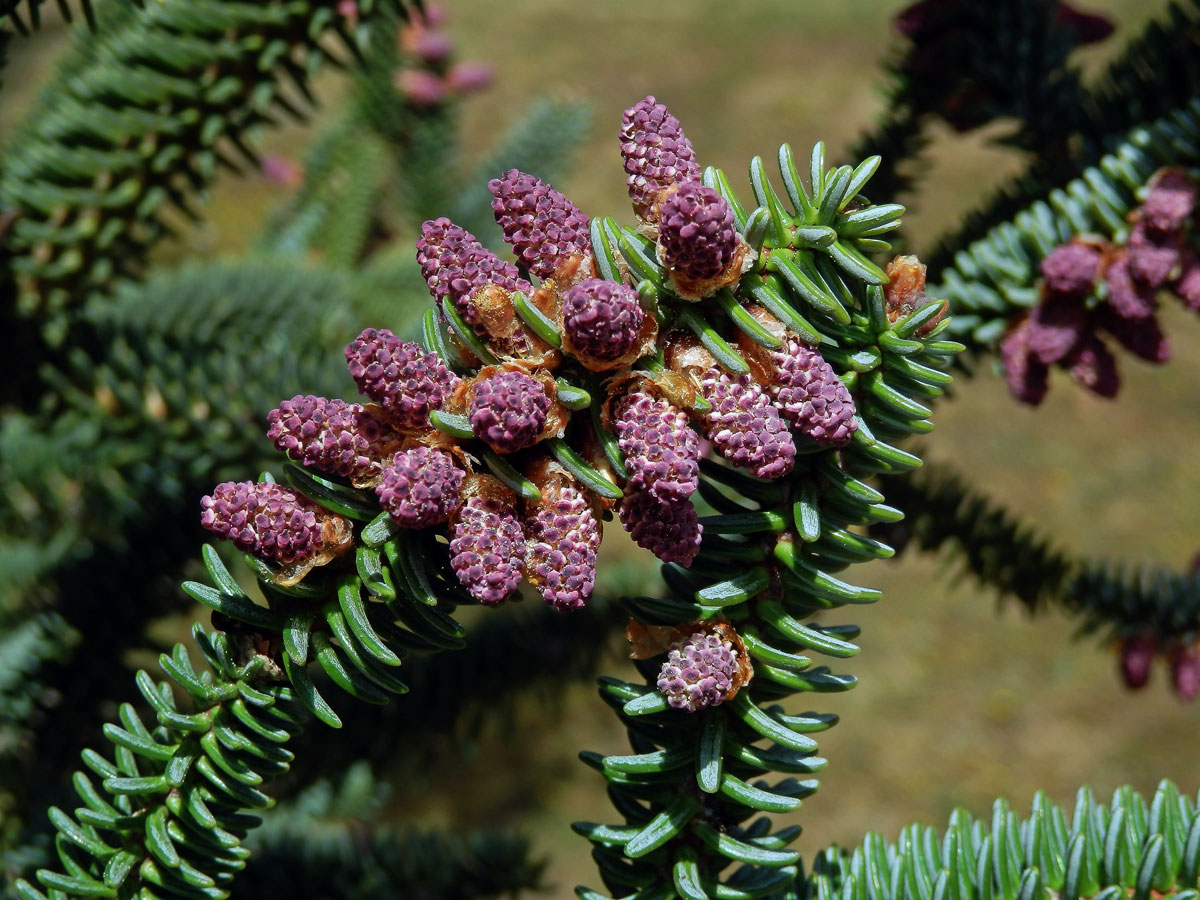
column 961, row 698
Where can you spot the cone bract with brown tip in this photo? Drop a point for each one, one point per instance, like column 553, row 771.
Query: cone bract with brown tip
column 487, row 550
column 563, row 539
column 543, row 226
column 744, row 426
column 264, row 519
column 455, row 265
column 811, row 396
column 420, row 487
column 401, row 376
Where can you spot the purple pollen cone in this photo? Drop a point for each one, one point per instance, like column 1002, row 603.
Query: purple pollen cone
column 602, row 318
column 698, row 234
column 744, row 426
column 563, row 539
column 1071, row 269
column 262, row 518
column 455, row 265
column 1055, row 327
column 656, row 153
column 698, row 672
column 508, row 411
column 669, row 529
column 543, row 226
column 331, row 435
column 811, row 396
column 1170, row 203
column 420, row 487
column 400, row 376
column 662, row 453
column 1027, row 377
column 488, row 550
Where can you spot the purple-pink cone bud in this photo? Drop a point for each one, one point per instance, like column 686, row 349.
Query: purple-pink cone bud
column 400, row 376
column 1137, row 656
column 698, row 234
column 669, row 529
column 262, row 518
column 1055, row 327
column 1188, row 284
column 543, row 226
column 420, row 487
column 1142, row 337
column 1027, row 378
column 1126, row 297
column 488, row 550
column 508, row 411
column 1071, row 269
column 1170, row 203
column 455, row 265
column 811, row 396
column 1093, row 366
column 420, row 87
column 603, row 319
column 563, row 539
column 1185, row 671
column 698, row 673
column 656, row 153
column 744, row 426
column 331, row 435
column 662, row 453
column 1151, row 258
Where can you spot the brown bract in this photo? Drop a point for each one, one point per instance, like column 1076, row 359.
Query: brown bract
column 336, row 538
column 761, row 359
column 698, row 288
column 905, row 292
column 688, row 357
column 390, row 440
column 485, row 487
column 647, row 641
column 508, row 337
column 673, row 387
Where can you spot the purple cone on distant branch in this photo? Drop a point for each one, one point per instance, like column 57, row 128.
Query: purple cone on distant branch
column 670, row 529
column 1055, row 327
column 264, row 519
column 1170, row 203
column 656, row 154
column 1137, row 657
column 697, row 234
column 1126, row 297
column 331, row 435
column 602, row 319
column 563, row 539
column 662, row 452
column 1071, row 269
column 543, row 226
column 508, row 411
column 487, row 550
column 420, row 486
column 698, row 672
column 1187, row 286
column 1027, row 378
column 455, row 265
column 408, row 382
column 1093, row 366
column 1142, row 337
column 744, row 426
column 1184, row 662
column 1151, row 258
column 811, row 396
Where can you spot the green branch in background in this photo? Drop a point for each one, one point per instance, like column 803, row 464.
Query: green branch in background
column 142, row 127
column 322, row 843
column 1127, row 849
column 1124, row 603
column 26, row 15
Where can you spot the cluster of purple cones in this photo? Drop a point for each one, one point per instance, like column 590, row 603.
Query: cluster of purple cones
column 512, row 509
column 1092, row 289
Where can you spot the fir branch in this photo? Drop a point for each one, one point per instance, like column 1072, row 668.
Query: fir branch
column 162, row 80
column 945, row 515
column 323, row 845
column 1129, row 848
